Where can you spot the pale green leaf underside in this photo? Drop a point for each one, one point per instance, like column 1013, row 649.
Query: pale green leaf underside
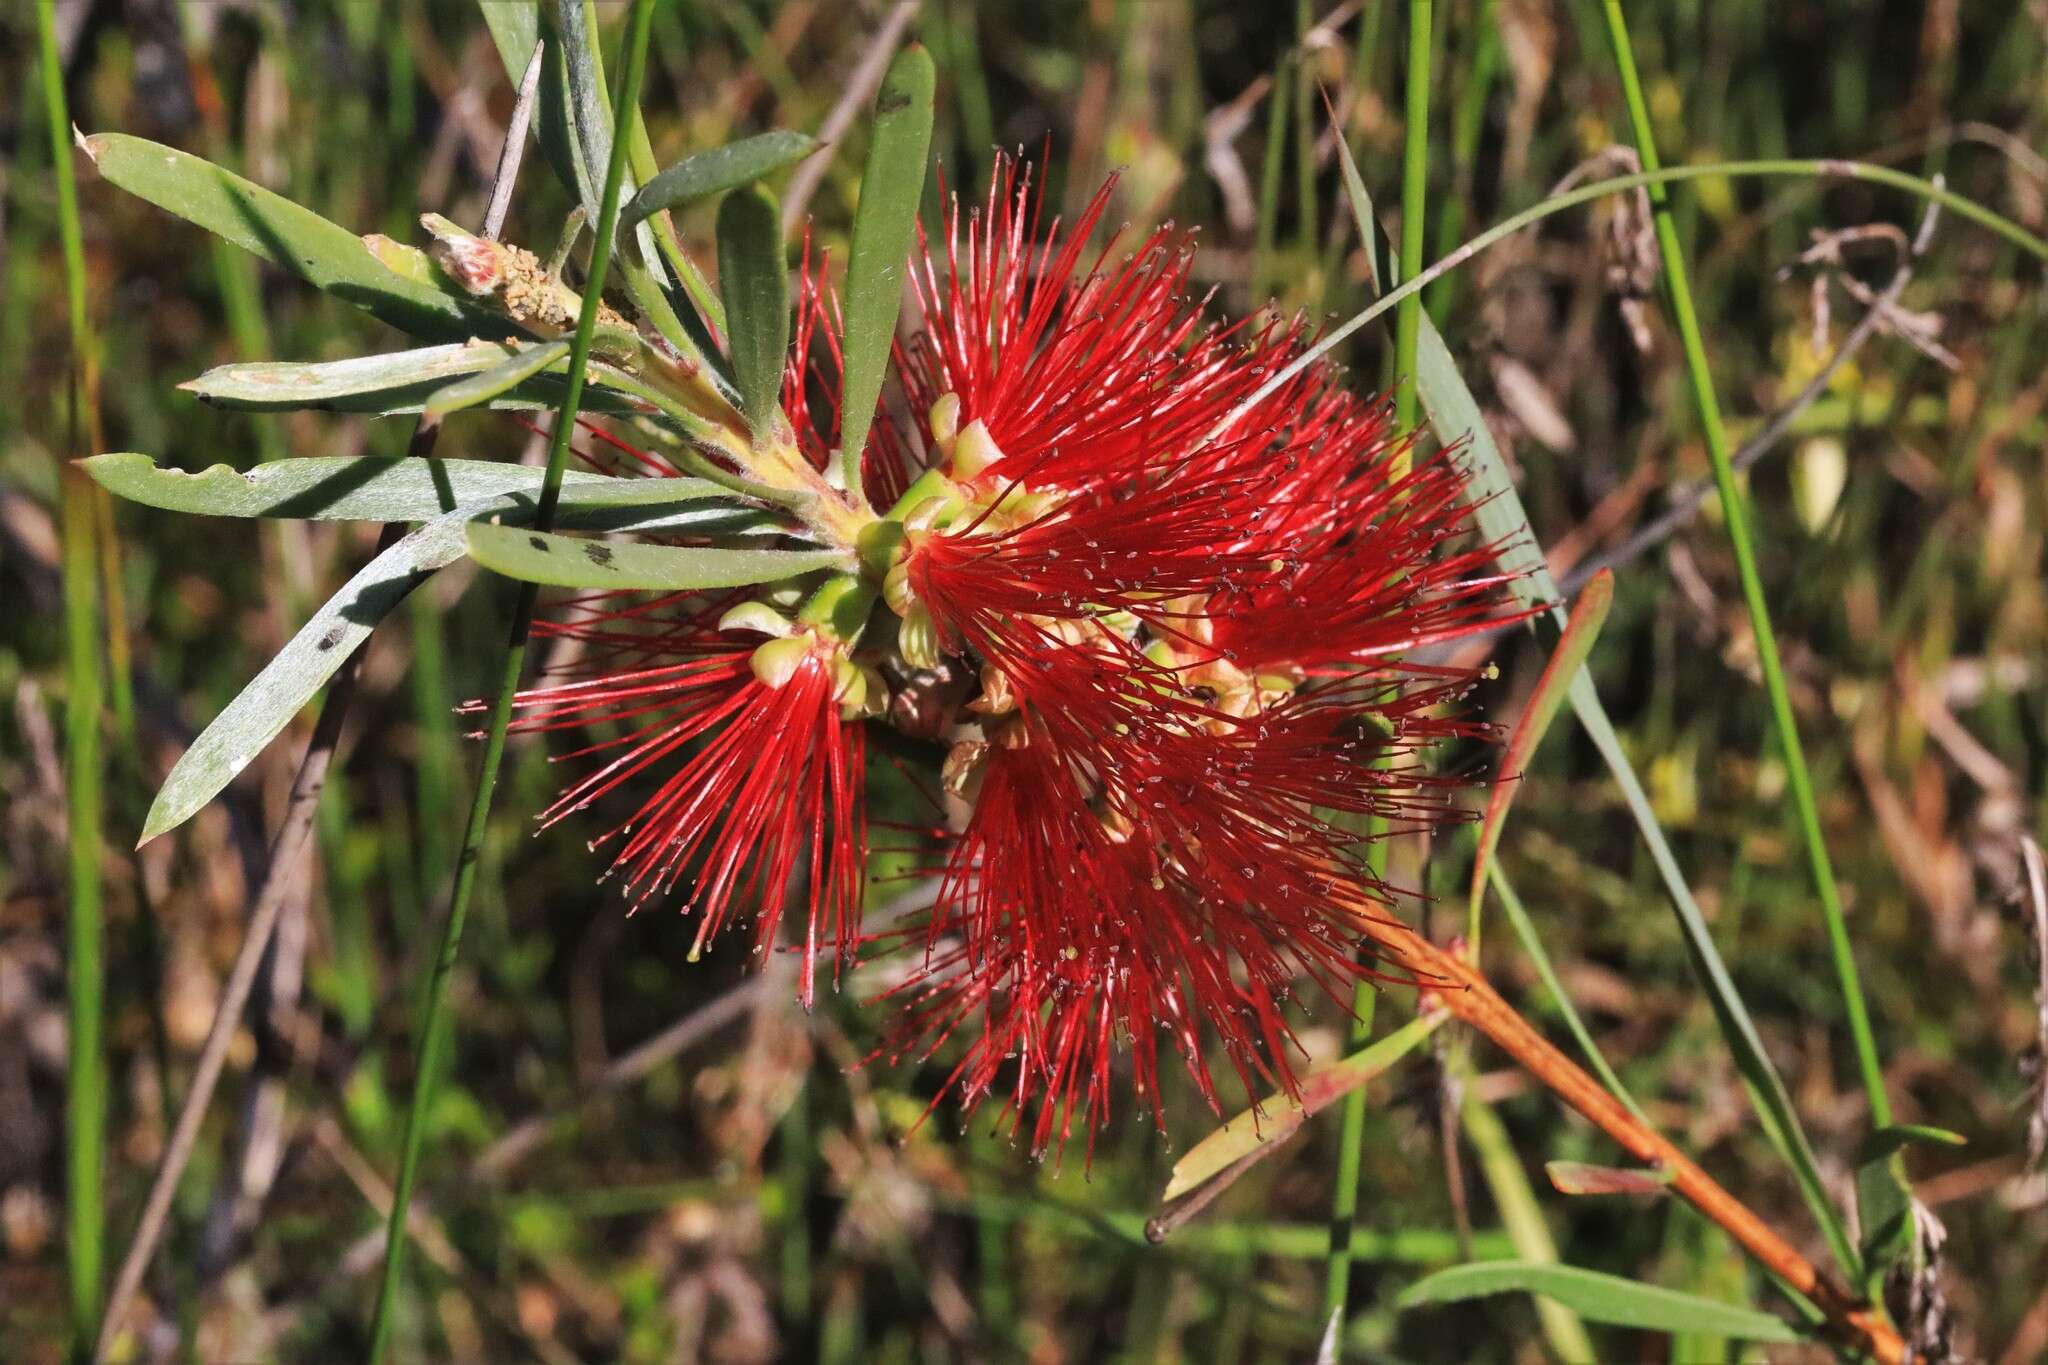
column 1599, row 1297
column 567, row 562
column 395, row 382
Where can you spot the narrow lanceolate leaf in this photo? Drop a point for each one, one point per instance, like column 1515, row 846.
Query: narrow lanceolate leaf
column 322, row 253
column 566, row 562
column 506, row 375
column 1885, row 1141
column 1497, row 510
column 1600, row 1298
column 1582, row 1178
column 754, row 283
column 300, row 669
column 376, row 488
column 1580, row 631
column 1273, row 1122
column 369, row 383
column 883, row 227
column 716, row 170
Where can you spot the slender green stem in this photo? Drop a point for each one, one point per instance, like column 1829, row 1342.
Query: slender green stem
column 1414, row 188
column 1736, row 518
column 435, row 1025
column 85, row 1096
column 1822, row 168
column 1532, row 943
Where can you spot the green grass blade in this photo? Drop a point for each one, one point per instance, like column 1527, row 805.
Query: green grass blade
column 1600, row 1298
column 567, row 562
column 324, row 254
column 85, row 1100
column 1700, row 375
column 1532, row 944
column 702, row 175
column 884, row 229
column 754, row 282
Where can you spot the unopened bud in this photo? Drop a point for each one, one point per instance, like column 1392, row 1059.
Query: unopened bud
column 997, row 697
column 945, row 421
column 476, row 263
column 760, row 618
column 776, row 662
column 974, row 450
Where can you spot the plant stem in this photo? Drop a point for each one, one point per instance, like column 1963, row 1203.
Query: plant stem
column 1820, row 168
column 1414, row 188
column 435, row 1025
column 1737, row 519
column 85, row 1093
column 1458, row 987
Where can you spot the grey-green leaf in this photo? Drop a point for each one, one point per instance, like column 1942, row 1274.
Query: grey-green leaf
column 502, row 377
column 322, row 253
column 300, row 669
column 402, row 488
column 329, row 488
column 567, row 562
column 716, row 170
column 884, row 225
column 754, row 282
column 370, row 383
column 1599, row 1297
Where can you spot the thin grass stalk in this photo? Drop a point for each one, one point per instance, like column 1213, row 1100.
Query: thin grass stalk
column 85, row 1093
column 435, row 1025
column 1736, row 518
column 1809, row 168
column 1267, row 232
column 1414, row 191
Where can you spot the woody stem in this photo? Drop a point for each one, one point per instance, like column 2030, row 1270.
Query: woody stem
column 1465, row 993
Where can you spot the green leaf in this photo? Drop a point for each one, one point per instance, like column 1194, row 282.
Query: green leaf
column 329, row 488
column 1599, row 1298
column 507, row 374
column 403, row 488
column 884, row 227
column 322, row 253
column 716, row 170
column 398, row 382
column 1497, row 511
column 1580, row 631
column 515, row 28
column 1885, row 1141
column 263, row 708
column 1884, row 1211
column 755, row 285
column 370, row 383
column 566, row 562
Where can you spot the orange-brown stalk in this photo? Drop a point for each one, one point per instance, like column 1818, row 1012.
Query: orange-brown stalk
column 1465, row 993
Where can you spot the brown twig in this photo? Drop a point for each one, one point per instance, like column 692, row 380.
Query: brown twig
column 1467, row 995
column 274, row 891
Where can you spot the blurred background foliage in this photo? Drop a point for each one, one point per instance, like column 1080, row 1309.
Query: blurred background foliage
column 746, row 1192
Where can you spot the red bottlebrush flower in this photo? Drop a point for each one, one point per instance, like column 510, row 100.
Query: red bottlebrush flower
column 755, row 780
column 1192, row 624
